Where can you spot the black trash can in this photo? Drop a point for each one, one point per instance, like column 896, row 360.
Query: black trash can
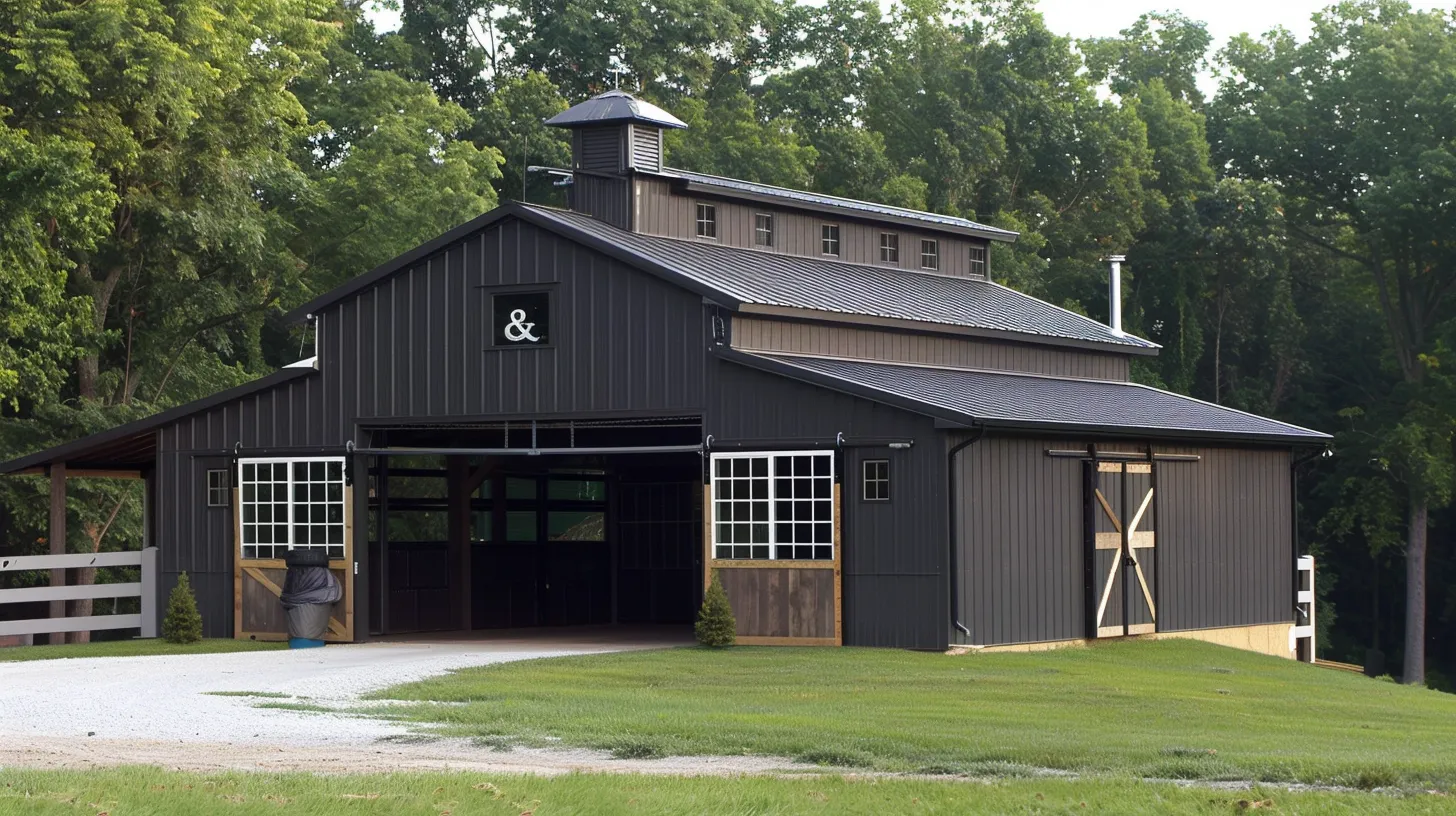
column 309, row 594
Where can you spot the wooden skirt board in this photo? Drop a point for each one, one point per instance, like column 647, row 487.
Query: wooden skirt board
column 781, row 603
column 258, row 611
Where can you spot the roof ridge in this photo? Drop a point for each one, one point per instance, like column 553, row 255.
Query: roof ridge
column 894, row 209
column 906, row 275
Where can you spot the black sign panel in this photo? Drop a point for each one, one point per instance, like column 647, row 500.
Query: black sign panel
column 521, row 318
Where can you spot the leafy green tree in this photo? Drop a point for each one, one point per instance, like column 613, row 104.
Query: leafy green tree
column 1168, row 47
column 386, row 166
column 53, row 204
column 728, row 139
column 1357, row 127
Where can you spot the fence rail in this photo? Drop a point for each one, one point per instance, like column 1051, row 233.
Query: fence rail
column 146, row 589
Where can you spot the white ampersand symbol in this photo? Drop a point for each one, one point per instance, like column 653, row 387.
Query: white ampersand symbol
column 519, row 330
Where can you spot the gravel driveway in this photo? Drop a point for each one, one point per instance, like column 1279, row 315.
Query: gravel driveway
column 156, row 710
column 166, row 697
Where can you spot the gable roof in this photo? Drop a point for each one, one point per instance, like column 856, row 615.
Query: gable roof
column 755, row 280
column 738, row 188
column 1030, row 401
column 758, row 278
column 133, row 444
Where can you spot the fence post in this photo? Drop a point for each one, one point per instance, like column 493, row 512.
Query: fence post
column 150, row 584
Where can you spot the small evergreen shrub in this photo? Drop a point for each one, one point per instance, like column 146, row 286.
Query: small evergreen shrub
column 716, row 626
column 183, row 623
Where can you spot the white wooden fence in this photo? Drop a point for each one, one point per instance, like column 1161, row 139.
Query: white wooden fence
column 146, row 589
column 1301, row 635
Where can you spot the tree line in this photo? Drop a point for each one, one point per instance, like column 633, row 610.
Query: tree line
column 176, row 173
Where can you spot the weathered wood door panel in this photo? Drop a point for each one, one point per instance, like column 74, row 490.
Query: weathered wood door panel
column 1121, row 548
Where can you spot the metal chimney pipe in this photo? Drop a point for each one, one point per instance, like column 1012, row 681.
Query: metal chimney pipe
column 1114, row 291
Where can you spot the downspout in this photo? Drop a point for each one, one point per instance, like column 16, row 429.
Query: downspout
column 950, row 538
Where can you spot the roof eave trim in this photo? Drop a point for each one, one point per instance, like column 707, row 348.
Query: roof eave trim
column 509, row 209
column 691, row 186
column 1030, row 338
column 67, row 450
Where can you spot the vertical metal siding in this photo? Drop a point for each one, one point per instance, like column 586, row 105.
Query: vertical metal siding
column 1224, row 545
column 1223, row 551
column 893, row 554
column 662, row 211
column 761, row 334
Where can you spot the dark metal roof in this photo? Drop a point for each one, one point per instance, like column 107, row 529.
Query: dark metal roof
column 736, row 277
column 738, row 187
column 614, row 107
column 1003, row 399
column 133, row 445
column 753, row 276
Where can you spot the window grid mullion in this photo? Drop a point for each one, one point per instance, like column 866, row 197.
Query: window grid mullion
column 773, row 501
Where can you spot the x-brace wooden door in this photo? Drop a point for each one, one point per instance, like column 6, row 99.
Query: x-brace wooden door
column 1121, row 541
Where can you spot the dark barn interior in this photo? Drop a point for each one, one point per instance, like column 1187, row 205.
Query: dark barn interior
column 517, row 525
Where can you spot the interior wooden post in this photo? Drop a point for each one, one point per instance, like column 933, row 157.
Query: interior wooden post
column 457, row 471
column 58, row 538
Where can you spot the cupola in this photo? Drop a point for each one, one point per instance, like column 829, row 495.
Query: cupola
column 616, row 133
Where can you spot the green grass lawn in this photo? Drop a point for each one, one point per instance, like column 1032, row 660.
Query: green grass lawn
column 131, row 648
column 124, row 791
column 1170, row 709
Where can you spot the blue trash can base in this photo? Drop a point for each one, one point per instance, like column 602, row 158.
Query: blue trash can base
column 304, row 643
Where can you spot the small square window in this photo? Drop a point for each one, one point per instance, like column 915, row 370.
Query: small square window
column 877, row 480
column 889, row 247
column 763, row 230
column 929, row 254
column 829, row 239
column 521, row 319
column 217, row 488
column 978, row 261
column 707, row 221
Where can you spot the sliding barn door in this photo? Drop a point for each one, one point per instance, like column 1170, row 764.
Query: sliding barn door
column 1121, row 542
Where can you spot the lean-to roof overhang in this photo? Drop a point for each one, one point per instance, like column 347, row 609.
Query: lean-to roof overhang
column 1030, row 402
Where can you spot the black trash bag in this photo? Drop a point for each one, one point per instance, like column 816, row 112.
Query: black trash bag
column 310, row 591
column 310, row 585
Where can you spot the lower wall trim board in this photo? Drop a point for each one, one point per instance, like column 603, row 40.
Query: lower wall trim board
column 754, row 640
column 1264, row 638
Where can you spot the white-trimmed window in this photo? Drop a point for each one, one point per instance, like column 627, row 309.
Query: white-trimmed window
column 890, row 247
column 978, row 261
column 774, row 506
column 929, row 254
column 291, row 503
column 763, row 229
column 707, row 221
column 877, row 480
column 829, row 239
column 217, row 488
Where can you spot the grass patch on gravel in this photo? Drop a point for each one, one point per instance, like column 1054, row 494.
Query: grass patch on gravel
column 134, row 648
column 271, row 695
column 309, row 707
column 165, row 793
column 1159, row 710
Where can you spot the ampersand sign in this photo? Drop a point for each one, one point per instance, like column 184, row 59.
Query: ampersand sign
column 518, row 330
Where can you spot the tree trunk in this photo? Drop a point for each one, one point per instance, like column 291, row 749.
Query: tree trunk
column 1414, row 672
